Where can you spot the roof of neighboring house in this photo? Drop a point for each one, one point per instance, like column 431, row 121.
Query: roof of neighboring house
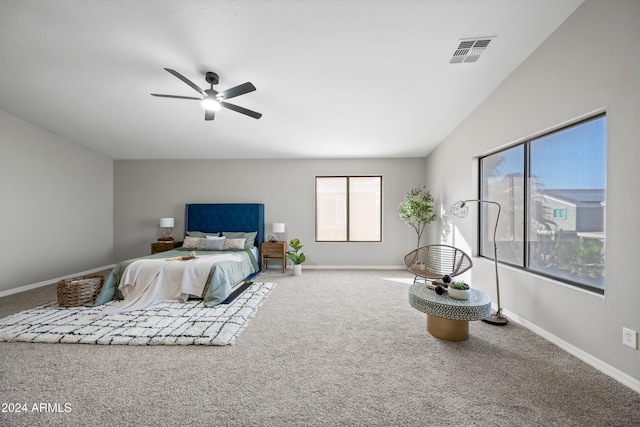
column 577, row 197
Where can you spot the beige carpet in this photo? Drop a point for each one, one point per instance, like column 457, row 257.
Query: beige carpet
column 327, row 348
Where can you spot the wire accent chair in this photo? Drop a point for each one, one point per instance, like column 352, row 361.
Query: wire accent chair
column 434, row 261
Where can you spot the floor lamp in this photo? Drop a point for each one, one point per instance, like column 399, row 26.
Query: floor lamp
column 461, row 209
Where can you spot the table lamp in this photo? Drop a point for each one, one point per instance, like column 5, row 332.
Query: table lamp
column 167, row 224
column 277, row 228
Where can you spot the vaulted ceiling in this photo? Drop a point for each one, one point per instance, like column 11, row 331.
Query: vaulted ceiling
column 334, row 78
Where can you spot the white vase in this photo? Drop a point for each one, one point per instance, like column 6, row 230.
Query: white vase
column 297, row 269
column 459, row 293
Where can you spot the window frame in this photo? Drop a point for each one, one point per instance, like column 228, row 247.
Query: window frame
column 527, row 143
column 347, row 208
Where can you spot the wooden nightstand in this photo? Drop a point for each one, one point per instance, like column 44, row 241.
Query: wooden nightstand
column 157, row 247
column 272, row 251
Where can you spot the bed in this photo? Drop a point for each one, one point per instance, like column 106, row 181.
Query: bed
column 225, row 239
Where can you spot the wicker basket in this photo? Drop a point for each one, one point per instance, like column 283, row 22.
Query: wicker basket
column 80, row 290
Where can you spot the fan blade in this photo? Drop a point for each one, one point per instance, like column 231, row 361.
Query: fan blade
column 241, row 110
column 187, row 81
column 237, row 91
column 209, row 115
column 176, row 96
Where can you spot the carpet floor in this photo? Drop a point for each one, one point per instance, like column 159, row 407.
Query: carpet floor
column 328, row 348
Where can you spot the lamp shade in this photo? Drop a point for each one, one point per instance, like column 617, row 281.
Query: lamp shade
column 460, row 209
column 166, row 222
column 278, row 227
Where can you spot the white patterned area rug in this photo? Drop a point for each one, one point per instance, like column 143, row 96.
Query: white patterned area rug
column 187, row 323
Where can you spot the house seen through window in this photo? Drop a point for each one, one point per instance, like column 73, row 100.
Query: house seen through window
column 552, row 191
column 348, row 208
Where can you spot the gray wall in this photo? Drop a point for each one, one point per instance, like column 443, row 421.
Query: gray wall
column 56, row 212
column 147, row 190
column 585, row 66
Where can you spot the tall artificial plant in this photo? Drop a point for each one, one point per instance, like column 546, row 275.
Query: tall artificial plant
column 417, row 209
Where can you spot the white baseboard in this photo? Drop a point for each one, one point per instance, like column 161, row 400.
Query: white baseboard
column 52, row 281
column 603, row 367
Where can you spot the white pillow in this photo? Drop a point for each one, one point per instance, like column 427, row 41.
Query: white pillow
column 234, row 243
column 214, row 243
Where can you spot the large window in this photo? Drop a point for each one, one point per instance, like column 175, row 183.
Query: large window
column 348, row 208
column 552, row 192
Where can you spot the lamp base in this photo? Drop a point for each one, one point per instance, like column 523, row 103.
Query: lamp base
column 496, row 320
column 165, row 239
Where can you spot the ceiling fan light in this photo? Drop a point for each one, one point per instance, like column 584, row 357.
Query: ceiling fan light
column 210, row 104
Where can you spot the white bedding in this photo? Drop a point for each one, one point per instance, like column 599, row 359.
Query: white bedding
column 147, row 282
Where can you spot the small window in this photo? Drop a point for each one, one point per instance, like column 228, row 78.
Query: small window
column 349, row 209
column 559, row 214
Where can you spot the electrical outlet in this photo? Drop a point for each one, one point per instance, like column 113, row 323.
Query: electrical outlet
column 630, row 338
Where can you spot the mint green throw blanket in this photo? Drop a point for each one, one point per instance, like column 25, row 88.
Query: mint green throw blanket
column 222, row 278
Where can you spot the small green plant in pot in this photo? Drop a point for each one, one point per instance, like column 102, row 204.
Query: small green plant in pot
column 460, row 285
column 459, row 290
column 296, row 256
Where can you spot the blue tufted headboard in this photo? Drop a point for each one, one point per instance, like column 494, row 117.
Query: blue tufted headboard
column 215, row 217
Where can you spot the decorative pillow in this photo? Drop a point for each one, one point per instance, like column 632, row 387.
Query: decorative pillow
column 191, row 242
column 215, row 237
column 196, row 234
column 213, row 243
column 234, row 243
column 250, row 237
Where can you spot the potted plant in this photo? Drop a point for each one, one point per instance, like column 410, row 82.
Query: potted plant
column 417, row 209
column 459, row 290
column 296, row 256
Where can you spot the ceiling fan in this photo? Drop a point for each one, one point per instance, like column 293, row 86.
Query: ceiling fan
column 211, row 99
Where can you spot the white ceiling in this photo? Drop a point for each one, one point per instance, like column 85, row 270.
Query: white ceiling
column 334, row 78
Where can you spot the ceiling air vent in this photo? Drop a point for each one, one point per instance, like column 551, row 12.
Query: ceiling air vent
column 469, row 50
